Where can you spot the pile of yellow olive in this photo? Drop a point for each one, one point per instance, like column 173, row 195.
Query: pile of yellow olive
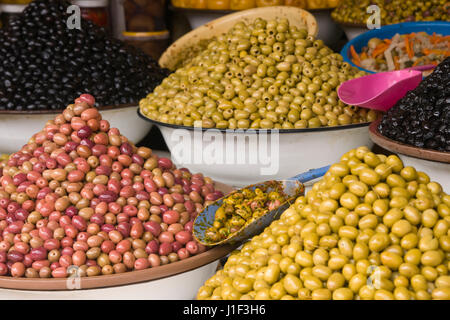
column 267, row 74
column 370, row 229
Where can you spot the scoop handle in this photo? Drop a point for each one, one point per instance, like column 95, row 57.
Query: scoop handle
column 422, row 68
column 311, row 174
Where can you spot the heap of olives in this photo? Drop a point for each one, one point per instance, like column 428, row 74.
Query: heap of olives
column 372, row 228
column 267, row 74
column 392, row 11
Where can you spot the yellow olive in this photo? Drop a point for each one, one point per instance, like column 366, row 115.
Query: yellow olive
column 349, row 200
column 402, row 293
column 367, row 292
column 292, row 284
column 321, row 294
column 343, row 294
column 442, row 293
column 378, row 242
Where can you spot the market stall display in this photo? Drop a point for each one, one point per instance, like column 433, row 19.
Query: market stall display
column 249, row 97
column 45, row 65
column 80, row 194
column 264, row 74
column 370, row 229
column 96, row 11
column 399, row 46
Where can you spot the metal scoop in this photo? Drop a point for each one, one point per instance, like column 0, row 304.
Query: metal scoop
column 380, row 91
column 292, row 188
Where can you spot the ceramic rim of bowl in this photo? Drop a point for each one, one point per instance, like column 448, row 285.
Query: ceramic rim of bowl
column 119, row 279
column 48, row 111
column 408, row 150
column 256, row 131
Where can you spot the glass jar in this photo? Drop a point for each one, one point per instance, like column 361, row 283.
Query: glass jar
column 152, row 43
column 96, row 11
column 8, row 12
column 145, row 15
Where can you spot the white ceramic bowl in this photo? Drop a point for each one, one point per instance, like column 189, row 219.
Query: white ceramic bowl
column 17, row 127
column 293, row 152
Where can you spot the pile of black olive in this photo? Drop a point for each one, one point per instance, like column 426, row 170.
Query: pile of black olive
column 422, row 117
column 46, row 65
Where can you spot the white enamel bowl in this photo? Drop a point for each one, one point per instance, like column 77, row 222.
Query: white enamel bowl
column 256, row 155
column 16, row 128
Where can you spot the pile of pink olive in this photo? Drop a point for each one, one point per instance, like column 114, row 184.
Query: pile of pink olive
column 80, row 194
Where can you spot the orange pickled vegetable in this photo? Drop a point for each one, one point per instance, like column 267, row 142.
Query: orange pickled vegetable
column 408, row 47
column 381, row 48
column 355, row 56
column 396, row 63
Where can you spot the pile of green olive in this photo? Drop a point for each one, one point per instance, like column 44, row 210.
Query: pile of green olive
column 267, row 74
column 370, row 229
column 392, row 11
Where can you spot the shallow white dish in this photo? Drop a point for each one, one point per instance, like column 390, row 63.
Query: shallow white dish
column 16, row 128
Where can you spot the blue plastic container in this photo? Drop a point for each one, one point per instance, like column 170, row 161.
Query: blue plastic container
column 389, row 31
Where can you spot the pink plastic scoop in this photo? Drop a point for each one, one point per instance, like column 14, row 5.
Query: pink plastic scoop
column 380, row 91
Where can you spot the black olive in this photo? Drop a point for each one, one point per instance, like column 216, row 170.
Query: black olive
column 44, row 65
